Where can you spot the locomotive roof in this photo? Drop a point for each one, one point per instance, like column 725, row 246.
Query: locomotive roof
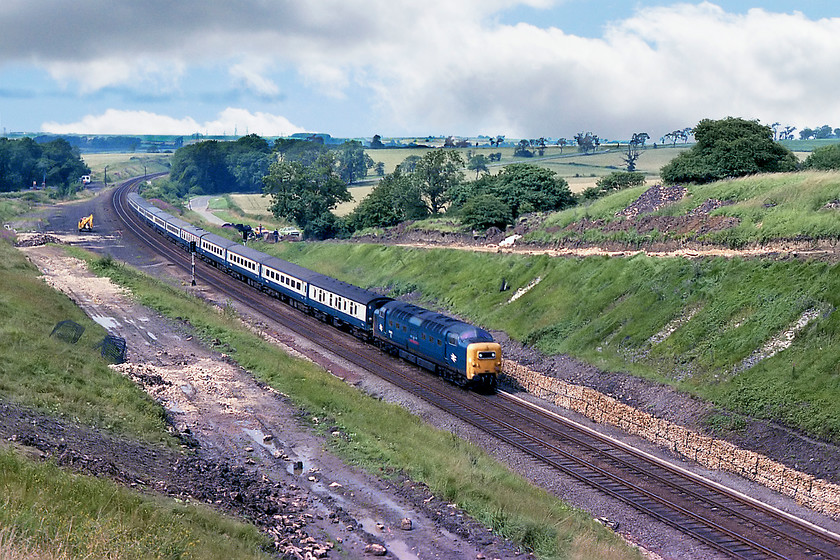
column 434, row 321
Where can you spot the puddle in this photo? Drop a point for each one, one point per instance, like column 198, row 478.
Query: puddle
column 108, row 323
column 259, row 438
column 396, row 547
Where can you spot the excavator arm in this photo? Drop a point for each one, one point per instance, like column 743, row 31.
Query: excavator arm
column 86, row 223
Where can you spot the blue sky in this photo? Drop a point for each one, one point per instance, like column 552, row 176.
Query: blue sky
column 355, row 68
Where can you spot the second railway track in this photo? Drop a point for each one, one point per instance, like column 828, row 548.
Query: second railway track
column 724, row 520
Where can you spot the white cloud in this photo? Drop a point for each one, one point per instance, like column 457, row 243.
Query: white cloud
column 663, row 69
column 252, row 74
column 445, row 67
column 231, row 119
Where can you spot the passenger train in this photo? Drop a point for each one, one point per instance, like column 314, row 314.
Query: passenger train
column 458, row 351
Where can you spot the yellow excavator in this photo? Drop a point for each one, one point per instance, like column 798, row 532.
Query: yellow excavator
column 86, row 223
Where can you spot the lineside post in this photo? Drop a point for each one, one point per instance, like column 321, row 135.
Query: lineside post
column 192, row 258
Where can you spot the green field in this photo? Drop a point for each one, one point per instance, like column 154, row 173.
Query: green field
column 123, row 166
column 580, row 171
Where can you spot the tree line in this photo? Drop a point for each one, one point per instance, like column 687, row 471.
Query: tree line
column 25, row 163
column 307, row 180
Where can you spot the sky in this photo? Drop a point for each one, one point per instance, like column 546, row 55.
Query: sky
column 401, row 68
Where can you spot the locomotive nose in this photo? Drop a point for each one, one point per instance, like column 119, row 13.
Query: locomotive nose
column 483, row 358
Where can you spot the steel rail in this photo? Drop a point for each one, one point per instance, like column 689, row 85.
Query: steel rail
column 725, row 540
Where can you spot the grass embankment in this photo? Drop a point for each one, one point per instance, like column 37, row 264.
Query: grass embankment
column 70, row 380
column 122, row 166
column 608, row 311
column 50, row 514
column 385, row 437
column 769, row 207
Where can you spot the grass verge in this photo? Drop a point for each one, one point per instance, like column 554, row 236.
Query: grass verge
column 48, row 513
column 384, row 437
column 70, row 380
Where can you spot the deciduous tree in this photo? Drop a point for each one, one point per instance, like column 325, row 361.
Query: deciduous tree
column 307, row 194
column 435, row 173
column 731, row 147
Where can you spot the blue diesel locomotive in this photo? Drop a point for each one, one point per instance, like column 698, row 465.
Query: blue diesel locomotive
column 458, row 351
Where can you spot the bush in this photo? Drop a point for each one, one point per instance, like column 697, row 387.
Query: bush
column 825, row 158
column 728, row 148
column 618, row 180
column 485, row 211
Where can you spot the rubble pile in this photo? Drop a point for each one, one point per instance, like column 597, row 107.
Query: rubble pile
column 653, row 199
column 37, row 240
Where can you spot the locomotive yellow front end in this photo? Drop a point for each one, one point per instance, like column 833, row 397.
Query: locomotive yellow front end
column 484, row 364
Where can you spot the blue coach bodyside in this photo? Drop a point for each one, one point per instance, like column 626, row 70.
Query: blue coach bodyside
column 214, row 248
column 246, row 262
column 348, row 303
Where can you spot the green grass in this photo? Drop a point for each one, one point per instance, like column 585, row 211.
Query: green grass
column 383, row 437
column 769, row 207
column 604, row 310
column 121, row 166
column 47, row 511
column 14, row 204
column 48, row 374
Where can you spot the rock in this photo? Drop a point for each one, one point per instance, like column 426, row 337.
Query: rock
column 376, row 549
column 406, row 524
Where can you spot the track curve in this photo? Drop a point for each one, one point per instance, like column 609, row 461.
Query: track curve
column 724, row 520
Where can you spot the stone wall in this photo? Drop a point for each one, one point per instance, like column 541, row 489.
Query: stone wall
column 811, row 492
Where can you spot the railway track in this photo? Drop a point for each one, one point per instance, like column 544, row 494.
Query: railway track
column 729, row 522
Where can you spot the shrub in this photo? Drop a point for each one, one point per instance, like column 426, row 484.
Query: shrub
column 825, row 158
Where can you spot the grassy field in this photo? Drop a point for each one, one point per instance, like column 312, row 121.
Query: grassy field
column 122, row 166
column 52, row 514
column 384, row 439
column 580, row 171
column 607, row 311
